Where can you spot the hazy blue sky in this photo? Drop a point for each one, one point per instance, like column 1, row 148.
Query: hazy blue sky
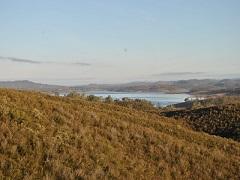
column 89, row 41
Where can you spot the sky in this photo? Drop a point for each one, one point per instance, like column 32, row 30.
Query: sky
column 74, row 42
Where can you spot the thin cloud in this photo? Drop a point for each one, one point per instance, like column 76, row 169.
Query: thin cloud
column 20, row 60
column 27, row 61
column 179, row 73
column 81, row 64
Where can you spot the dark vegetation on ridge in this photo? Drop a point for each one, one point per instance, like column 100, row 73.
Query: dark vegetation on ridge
column 217, row 116
column 74, row 137
column 218, row 120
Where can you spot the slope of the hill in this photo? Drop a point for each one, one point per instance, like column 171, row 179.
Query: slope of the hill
column 221, row 120
column 71, row 138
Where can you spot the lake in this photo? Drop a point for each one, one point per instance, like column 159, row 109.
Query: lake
column 158, row 99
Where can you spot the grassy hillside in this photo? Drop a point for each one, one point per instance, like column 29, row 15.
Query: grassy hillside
column 72, row 138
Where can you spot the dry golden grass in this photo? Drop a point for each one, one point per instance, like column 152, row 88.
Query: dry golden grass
column 44, row 137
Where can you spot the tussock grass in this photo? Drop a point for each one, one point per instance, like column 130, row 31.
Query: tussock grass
column 45, row 137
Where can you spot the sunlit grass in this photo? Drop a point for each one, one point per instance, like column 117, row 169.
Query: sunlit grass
column 73, row 137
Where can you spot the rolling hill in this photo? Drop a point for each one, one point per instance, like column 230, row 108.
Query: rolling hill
column 209, row 102
column 47, row 137
column 29, row 85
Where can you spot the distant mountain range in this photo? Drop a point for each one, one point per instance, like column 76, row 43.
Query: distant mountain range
column 193, row 86
column 29, row 85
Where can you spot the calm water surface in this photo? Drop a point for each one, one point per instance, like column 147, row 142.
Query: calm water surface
column 158, row 99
